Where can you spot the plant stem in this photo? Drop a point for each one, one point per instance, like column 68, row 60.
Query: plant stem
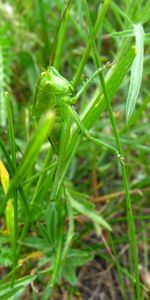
column 15, row 202
column 61, row 37
column 15, row 234
column 58, row 259
column 28, row 219
column 86, row 54
column 131, row 227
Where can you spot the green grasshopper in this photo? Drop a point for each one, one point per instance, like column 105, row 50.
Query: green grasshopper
column 54, row 92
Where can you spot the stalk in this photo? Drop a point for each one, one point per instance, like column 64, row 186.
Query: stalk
column 86, row 54
column 131, row 227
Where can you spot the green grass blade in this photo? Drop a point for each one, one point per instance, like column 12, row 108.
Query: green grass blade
column 86, row 54
column 31, row 153
column 15, row 196
column 61, row 37
column 11, row 128
column 12, row 171
column 7, row 277
column 91, row 214
column 136, row 72
column 120, row 70
column 6, row 290
column 6, row 155
column 138, row 113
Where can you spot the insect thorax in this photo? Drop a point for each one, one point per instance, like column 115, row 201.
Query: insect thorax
column 52, row 92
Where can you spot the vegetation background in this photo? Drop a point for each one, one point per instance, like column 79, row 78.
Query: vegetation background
column 93, row 242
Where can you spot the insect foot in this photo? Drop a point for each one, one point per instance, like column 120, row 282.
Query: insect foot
column 122, row 159
column 109, row 64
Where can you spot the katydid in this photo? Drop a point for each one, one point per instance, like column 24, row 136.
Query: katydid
column 55, row 92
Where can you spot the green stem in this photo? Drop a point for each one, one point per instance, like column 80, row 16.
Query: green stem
column 42, row 176
column 58, row 259
column 70, row 232
column 131, row 227
column 65, row 136
column 61, row 32
column 29, row 217
column 86, row 54
column 11, row 129
column 15, row 235
column 80, row 92
column 58, row 51
column 15, row 202
column 83, row 129
column 116, row 262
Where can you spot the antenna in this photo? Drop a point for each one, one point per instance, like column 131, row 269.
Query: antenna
column 57, row 32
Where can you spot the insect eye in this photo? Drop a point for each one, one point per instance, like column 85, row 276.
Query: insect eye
column 48, row 84
column 43, row 74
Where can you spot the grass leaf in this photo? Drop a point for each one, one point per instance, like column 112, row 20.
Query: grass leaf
column 31, row 153
column 5, row 61
column 91, row 214
column 136, row 71
column 7, row 291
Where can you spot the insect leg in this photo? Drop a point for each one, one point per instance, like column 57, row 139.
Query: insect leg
column 65, row 135
column 83, row 129
column 85, row 86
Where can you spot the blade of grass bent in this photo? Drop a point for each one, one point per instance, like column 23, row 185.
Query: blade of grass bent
column 136, row 72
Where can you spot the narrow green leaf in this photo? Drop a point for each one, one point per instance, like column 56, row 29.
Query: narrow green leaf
column 5, row 72
column 136, row 71
column 7, row 157
column 12, row 171
column 52, row 222
column 92, row 215
column 98, row 105
column 31, row 152
column 2, row 98
column 6, row 290
column 11, row 128
column 12, row 292
column 6, row 278
column 97, row 26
